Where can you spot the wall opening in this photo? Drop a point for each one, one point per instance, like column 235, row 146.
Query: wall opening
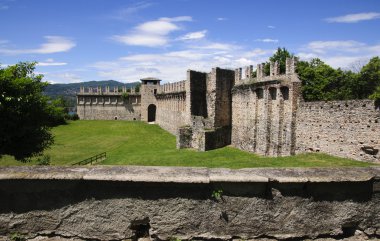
column 198, row 105
column 259, row 93
column 273, row 93
column 285, row 93
column 151, row 113
column 140, row 229
column 115, row 118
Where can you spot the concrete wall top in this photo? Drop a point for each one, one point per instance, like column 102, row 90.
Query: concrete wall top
column 190, row 174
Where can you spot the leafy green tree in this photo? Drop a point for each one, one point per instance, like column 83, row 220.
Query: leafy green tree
column 322, row 82
column 315, row 77
column 369, row 78
column 280, row 56
column 25, row 113
column 376, row 96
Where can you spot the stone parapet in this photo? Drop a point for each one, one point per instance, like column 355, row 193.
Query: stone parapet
column 190, row 174
column 159, row 203
column 172, row 87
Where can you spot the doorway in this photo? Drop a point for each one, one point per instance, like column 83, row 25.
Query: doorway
column 151, row 113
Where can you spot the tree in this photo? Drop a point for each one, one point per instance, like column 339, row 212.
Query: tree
column 322, row 82
column 315, row 77
column 376, row 96
column 369, row 78
column 25, row 114
column 280, row 56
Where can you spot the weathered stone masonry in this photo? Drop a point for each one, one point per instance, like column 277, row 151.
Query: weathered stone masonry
column 103, row 104
column 264, row 111
column 265, row 114
column 341, row 128
column 128, row 203
column 171, row 106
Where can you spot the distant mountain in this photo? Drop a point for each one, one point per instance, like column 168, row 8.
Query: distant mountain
column 70, row 90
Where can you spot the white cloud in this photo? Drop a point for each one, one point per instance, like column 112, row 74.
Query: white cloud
column 271, row 26
column 245, row 62
column 4, row 65
column 354, row 18
column 187, row 54
column 172, row 65
column 62, row 77
column 346, row 45
column 217, row 46
column 257, row 52
column 50, row 62
column 159, row 27
column 54, row 44
column 152, row 33
column 3, row 41
column 267, row 40
column 178, row 19
column 142, row 40
column 194, row 35
column 130, row 11
column 339, row 53
column 4, row 4
column 221, row 19
column 344, row 61
column 222, row 60
column 307, row 56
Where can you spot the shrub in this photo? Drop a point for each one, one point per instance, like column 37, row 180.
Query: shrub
column 44, row 160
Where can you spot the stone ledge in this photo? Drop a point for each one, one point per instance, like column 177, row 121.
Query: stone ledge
column 189, row 174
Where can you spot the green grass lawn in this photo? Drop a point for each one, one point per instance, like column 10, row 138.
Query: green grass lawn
column 137, row 143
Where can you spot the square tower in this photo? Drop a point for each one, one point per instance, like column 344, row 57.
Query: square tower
column 149, row 88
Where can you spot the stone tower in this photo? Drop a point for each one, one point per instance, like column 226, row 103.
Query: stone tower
column 148, row 92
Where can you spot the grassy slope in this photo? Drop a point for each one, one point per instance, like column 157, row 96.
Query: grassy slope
column 137, row 143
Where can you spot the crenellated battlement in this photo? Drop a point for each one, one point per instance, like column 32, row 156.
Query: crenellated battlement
column 116, row 90
column 274, row 72
column 172, row 87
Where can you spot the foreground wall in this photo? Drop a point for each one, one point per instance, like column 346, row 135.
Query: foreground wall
column 117, row 203
column 340, row 128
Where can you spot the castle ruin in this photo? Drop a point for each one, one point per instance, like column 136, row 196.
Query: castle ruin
column 264, row 114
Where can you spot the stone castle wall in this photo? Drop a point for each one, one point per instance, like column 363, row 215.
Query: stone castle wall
column 210, row 110
column 108, row 106
column 341, row 128
column 171, row 106
column 264, row 114
column 263, row 110
column 262, row 118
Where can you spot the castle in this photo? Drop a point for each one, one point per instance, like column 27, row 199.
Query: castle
column 264, row 115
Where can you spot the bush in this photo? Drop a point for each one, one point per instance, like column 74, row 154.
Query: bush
column 72, row 116
column 43, row 161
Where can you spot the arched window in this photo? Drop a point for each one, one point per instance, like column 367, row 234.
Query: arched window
column 259, row 93
column 273, row 93
column 285, row 93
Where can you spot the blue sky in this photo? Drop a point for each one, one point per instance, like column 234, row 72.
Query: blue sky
column 82, row 40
